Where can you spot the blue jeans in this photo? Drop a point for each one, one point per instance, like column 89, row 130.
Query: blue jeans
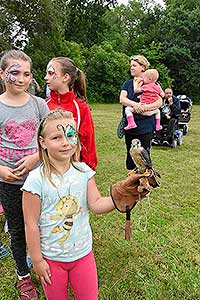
column 11, row 200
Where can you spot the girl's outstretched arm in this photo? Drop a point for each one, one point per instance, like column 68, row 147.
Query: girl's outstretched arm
column 31, row 211
column 97, row 203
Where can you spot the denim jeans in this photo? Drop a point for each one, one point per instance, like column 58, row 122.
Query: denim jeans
column 11, row 199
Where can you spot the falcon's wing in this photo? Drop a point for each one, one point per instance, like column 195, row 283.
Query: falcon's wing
column 145, row 157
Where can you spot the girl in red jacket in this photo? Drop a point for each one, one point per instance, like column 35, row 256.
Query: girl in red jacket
column 68, row 91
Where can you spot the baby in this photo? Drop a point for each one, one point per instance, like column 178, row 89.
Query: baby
column 150, row 89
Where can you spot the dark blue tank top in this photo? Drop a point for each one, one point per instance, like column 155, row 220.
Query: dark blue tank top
column 145, row 124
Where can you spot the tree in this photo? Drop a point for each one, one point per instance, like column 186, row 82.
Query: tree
column 115, row 28
column 155, row 56
column 36, row 27
column 106, row 71
column 181, row 45
column 25, row 19
column 99, row 33
column 143, row 24
column 84, row 22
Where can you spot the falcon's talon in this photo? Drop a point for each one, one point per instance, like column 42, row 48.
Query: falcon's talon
column 148, row 173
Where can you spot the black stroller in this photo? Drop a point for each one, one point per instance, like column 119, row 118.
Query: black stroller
column 169, row 135
column 186, row 107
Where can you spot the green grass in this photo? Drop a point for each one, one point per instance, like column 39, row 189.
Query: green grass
column 162, row 260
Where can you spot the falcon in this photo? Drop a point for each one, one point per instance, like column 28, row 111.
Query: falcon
column 141, row 158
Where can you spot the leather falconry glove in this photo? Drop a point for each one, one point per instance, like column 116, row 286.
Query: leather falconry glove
column 126, row 193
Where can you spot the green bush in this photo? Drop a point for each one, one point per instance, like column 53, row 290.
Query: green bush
column 54, row 48
column 106, row 71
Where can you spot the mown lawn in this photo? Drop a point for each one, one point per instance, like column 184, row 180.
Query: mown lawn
column 162, row 260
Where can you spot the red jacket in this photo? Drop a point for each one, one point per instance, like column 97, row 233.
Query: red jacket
column 84, row 123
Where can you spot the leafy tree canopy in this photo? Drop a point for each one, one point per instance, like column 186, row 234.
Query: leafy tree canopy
column 104, row 34
column 106, row 71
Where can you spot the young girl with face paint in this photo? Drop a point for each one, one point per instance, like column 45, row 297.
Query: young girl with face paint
column 68, row 91
column 20, row 115
column 55, row 204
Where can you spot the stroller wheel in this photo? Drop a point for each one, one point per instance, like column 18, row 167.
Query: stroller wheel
column 180, row 141
column 174, row 143
column 178, row 136
column 185, row 129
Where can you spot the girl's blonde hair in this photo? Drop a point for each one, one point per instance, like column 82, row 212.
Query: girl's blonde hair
column 140, row 59
column 13, row 54
column 78, row 79
column 47, row 167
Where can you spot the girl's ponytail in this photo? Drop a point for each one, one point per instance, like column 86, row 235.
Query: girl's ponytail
column 80, row 85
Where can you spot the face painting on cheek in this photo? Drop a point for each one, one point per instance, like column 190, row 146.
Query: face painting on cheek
column 70, row 133
column 11, row 73
column 52, row 72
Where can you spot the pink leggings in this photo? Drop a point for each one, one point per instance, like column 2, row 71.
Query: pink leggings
column 82, row 275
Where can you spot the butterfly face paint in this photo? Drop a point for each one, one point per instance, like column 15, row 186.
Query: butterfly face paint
column 12, row 72
column 70, row 133
column 52, row 72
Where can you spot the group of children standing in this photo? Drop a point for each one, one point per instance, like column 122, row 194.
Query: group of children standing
column 47, row 167
column 46, row 204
